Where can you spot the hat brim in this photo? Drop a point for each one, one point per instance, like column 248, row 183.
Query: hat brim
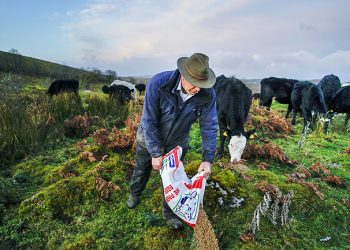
column 205, row 84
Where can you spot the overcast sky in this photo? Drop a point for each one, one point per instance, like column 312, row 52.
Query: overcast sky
column 303, row 39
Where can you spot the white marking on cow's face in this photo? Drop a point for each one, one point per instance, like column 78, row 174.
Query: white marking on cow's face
column 236, row 147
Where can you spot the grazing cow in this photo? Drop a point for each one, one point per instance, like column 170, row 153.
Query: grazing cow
column 280, row 88
column 140, row 87
column 341, row 103
column 256, row 96
column 126, row 84
column 308, row 99
column 329, row 84
column 233, row 101
column 120, row 92
column 59, row 86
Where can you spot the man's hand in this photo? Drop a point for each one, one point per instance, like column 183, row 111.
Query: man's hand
column 206, row 167
column 157, row 163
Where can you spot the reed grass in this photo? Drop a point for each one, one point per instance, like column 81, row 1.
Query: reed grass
column 29, row 123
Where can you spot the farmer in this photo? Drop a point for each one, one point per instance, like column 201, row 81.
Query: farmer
column 174, row 100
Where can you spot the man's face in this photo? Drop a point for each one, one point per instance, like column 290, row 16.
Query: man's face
column 188, row 87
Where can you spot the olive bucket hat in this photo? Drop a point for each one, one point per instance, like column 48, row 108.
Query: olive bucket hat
column 195, row 70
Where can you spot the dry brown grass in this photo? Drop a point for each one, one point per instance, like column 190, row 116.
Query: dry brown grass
column 265, row 187
column 316, row 170
column 266, row 151
column 262, row 166
column 93, row 156
column 78, row 126
column 271, row 122
column 105, row 188
column 300, row 179
column 246, row 237
column 87, row 156
column 79, row 146
column 335, row 180
column 347, row 150
column 319, row 170
column 117, row 139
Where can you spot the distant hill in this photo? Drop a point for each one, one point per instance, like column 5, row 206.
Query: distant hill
column 15, row 63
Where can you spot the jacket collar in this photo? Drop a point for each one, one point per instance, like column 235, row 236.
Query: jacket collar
column 169, row 89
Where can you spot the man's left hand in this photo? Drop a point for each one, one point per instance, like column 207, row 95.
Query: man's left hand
column 206, row 167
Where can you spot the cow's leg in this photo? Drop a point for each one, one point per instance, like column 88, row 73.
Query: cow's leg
column 222, row 129
column 222, row 143
column 266, row 102
column 329, row 117
column 307, row 118
column 290, row 107
column 294, row 116
column 314, row 118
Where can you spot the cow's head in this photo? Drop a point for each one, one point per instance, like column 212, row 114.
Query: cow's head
column 236, row 147
column 125, row 94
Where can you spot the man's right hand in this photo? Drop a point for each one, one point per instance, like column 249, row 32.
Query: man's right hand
column 157, row 163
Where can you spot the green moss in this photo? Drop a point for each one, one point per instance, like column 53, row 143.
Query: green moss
column 85, row 241
column 8, row 194
column 104, row 243
column 51, row 202
column 164, row 238
column 192, row 155
column 191, row 168
column 265, row 175
column 226, row 178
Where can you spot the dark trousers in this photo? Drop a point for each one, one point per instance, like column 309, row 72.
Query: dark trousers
column 142, row 173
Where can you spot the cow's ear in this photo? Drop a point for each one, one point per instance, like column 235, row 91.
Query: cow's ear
column 250, row 134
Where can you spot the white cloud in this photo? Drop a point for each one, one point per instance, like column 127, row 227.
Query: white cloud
column 245, row 38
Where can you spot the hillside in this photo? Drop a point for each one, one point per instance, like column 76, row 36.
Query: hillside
column 19, row 64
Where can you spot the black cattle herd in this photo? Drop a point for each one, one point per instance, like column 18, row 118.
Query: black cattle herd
column 234, row 98
column 311, row 100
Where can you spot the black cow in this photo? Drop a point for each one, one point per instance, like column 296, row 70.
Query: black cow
column 126, row 84
column 233, row 101
column 308, row 99
column 59, row 86
column 256, row 96
column 280, row 88
column 329, row 84
column 119, row 92
column 140, row 87
column 341, row 103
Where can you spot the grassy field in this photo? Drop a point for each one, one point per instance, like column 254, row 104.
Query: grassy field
column 68, row 190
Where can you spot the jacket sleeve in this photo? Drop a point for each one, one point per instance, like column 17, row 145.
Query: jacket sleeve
column 208, row 123
column 150, row 118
